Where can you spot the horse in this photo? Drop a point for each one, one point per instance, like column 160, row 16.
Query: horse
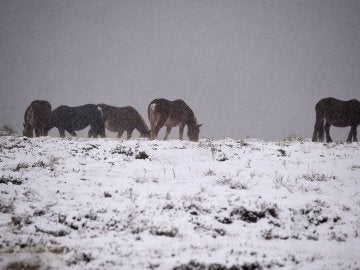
column 163, row 112
column 120, row 119
column 69, row 119
column 338, row 113
column 37, row 117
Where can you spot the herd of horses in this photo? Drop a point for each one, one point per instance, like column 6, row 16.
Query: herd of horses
column 39, row 118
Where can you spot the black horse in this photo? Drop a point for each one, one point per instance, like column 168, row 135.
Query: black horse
column 69, row 119
column 338, row 113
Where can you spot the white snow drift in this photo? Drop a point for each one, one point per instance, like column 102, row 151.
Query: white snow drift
column 139, row 204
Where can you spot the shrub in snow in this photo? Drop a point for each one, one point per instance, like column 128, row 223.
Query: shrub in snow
column 10, row 179
column 253, row 216
column 141, row 155
column 7, row 130
column 6, row 206
column 294, row 138
column 24, row 264
column 169, row 232
column 318, row 177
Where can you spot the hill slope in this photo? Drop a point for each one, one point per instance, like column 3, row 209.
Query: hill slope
column 110, row 204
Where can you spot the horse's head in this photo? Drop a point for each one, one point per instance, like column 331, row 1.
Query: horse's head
column 193, row 132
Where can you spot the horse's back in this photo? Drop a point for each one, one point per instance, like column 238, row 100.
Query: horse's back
column 325, row 101
column 42, row 110
column 354, row 103
column 165, row 106
column 161, row 104
column 331, row 103
column 158, row 108
column 180, row 106
column 40, row 104
column 116, row 112
column 83, row 109
column 77, row 117
column 177, row 109
column 340, row 113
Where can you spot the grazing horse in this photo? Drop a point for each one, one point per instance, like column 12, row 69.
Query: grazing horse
column 338, row 113
column 69, row 119
column 120, row 119
column 163, row 112
column 37, row 117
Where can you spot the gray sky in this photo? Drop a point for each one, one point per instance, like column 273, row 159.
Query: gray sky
column 246, row 68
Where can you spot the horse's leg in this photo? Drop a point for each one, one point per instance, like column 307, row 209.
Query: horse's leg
column 91, row 133
column 159, row 124
column 315, row 136
column 129, row 133
column 120, row 133
column 37, row 132
column 327, row 131
column 181, row 131
column 46, row 130
column 352, row 135
column 157, row 128
column 318, row 134
column 153, row 135
column 168, row 129
column 322, row 133
column 61, row 132
column 155, row 132
column 42, row 131
column 355, row 134
column 72, row 133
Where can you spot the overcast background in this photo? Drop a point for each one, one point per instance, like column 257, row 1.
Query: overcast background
column 246, row 68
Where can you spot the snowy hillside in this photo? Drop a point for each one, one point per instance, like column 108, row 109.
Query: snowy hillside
column 246, row 204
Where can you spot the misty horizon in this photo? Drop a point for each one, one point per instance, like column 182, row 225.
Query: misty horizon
column 246, row 68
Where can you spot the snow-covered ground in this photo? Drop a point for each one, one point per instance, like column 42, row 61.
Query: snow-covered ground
column 79, row 203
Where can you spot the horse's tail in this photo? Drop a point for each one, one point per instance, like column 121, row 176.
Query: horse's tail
column 152, row 119
column 101, row 112
column 99, row 128
column 321, row 129
column 319, row 134
column 28, row 122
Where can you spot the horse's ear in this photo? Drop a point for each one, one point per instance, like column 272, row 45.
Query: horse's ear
column 199, row 125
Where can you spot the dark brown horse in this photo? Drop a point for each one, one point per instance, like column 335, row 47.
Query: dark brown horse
column 37, row 117
column 120, row 119
column 69, row 119
column 163, row 112
column 331, row 111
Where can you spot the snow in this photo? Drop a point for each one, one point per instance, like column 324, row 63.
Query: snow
column 78, row 203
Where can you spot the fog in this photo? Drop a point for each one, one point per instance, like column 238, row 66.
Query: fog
column 246, row 68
